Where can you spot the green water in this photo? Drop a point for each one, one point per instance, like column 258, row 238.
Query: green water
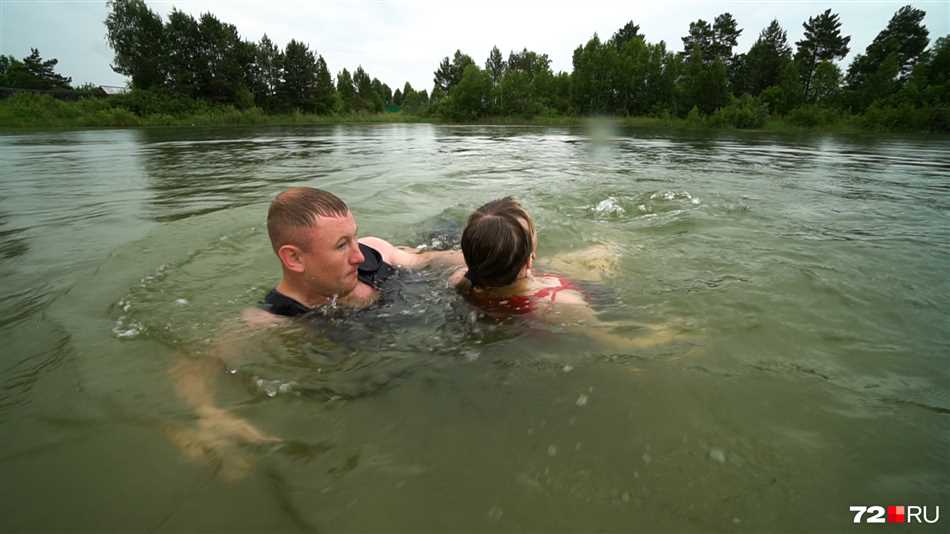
column 807, row 275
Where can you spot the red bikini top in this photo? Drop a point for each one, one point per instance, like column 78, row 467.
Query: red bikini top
column 521, row 304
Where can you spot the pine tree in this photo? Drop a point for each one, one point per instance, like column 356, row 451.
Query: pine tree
column 324, row 92
column 766, row 60
column 822, row 42
column 623, row 35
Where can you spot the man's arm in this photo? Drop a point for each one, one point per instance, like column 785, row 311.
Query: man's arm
column 408, row 258
column 591, row 263
column 217, row 431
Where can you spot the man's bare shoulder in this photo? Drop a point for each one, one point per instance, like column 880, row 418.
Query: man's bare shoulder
column 258, row 318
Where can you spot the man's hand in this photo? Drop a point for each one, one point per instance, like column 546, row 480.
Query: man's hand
column 217, row 439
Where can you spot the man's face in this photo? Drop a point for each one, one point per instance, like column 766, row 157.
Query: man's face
column 332, row 256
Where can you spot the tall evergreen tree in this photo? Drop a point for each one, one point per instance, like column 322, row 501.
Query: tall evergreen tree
column 31, row 73
column 268, row 66
column 905, row 36
column 822, row 42
column 725, row 35
column 700, row 38
column 627, row 32
column 300, row 77
column 450, row 72
column 324, row 93
column 367, row 99
column 766, row 60
column 346, row 91
column 495, row 65
column 42, row 72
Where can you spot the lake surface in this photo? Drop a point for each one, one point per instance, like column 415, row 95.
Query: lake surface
column 806, row 275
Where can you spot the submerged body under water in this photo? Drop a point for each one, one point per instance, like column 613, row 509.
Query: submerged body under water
column 806, row 275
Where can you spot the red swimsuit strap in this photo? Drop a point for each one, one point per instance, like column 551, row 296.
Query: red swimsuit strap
column 553, row 291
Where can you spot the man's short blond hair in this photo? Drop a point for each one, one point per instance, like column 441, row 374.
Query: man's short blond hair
column 297, row 209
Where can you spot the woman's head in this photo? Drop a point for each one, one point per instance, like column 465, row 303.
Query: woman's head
column 498, row 243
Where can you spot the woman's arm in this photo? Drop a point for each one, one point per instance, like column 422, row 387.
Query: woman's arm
column 410, row 258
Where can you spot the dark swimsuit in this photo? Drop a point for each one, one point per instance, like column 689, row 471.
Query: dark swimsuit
column 372, row 272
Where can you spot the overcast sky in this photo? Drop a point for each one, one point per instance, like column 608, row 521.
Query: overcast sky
column 404, row 41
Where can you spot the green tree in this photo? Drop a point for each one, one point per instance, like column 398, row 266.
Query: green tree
column 715, row 41
column 223, row 60
column 787, row 93
column 631, row 81
column 766, row 60
column 700, row 37
column 526, row 84
column 300, row 77
column 822, row 42
column 704, row 86
column 468, row 99
column 31, row 73
column 135, row 34
column 901, row 43
column 268, row 66
column 726, row 34
column 397, row 97
column 591, row 81
column 366, row 97
column 826, row 83
column 324, row 93
column 182, row 58
column 346, row 91
column 496, row 67
column 450, row 73
column 622, row 36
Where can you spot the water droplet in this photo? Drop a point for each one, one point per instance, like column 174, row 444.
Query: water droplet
column 568, row 368
column 717, row 455
column 581, row 400
column 646, row 458
column 181, row 302
column 552, row 450
column 495, row 513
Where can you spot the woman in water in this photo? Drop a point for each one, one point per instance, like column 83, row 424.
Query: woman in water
column 499, row 244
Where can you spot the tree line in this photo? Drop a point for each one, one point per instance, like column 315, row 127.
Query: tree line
column 897, row 81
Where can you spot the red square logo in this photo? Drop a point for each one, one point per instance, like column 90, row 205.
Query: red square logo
column 895, row 514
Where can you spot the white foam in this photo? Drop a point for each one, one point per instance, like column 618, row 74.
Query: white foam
column 609, row 206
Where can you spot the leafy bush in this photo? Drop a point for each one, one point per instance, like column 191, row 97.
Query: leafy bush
column 905, row 116
column 810, row 116
column 144, row 103
column 694, row 117
column 745, row 112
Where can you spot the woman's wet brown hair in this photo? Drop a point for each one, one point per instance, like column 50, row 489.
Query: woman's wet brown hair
column 497, row 243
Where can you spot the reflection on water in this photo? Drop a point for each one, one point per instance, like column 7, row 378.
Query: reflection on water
column 806, row 274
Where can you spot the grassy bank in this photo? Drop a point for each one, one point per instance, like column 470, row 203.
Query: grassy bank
column 27, row 111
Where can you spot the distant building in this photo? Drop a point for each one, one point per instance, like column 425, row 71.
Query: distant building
column 112, row 90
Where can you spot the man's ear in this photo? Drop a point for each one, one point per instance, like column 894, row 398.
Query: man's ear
column 292, row 258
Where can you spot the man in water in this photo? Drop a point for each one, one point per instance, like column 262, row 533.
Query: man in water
column 323, row 262
column 314, row 235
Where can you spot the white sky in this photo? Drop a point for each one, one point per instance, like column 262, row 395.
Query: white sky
column 400, row 41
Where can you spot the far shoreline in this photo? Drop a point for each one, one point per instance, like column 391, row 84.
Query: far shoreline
column 255, row 118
